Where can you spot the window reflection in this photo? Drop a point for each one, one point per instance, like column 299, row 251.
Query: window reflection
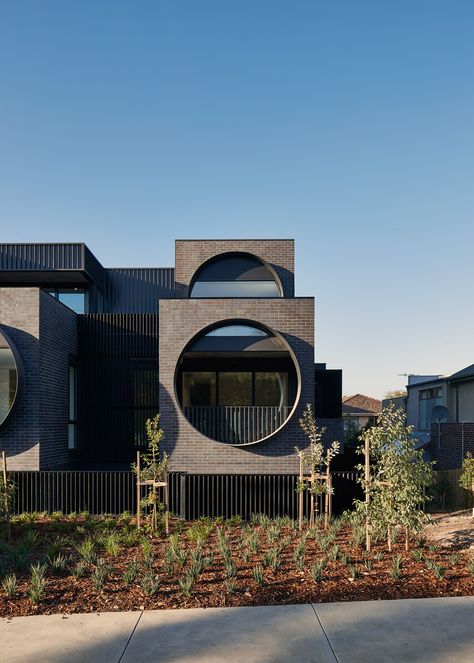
column 73, row 299
column 8, row 379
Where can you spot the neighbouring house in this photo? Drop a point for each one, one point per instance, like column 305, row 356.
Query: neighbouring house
column 451, row 433
column 218, row 343
column 359, row 411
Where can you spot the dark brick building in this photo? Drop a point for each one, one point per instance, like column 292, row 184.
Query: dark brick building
column 219, row 345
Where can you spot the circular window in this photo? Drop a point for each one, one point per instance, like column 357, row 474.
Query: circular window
column 237, row 383
column 9, row 379
column 239, row 275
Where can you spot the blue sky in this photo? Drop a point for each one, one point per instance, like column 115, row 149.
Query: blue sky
column 346, row 125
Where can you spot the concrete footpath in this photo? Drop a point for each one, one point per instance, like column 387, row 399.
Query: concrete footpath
column 422, row 630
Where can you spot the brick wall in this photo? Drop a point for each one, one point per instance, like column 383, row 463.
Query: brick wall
column 447, row 448
column 58, row 341
column 44, row 332
column 191, row 254
column 180, row 321
column 20, row 435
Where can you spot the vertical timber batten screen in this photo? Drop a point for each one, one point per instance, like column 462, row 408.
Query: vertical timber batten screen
column 191, row 496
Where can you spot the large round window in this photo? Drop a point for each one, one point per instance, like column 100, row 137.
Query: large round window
column 8, row 378
column 237, row 383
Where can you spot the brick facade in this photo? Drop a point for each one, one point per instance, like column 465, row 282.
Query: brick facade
column 191, row 254
column 190, row 451
column 20, row 435
column 447, row 447
column 44, row 333
column 58, row 342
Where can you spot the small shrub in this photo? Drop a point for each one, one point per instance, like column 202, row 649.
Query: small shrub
column 79, row 569
column 56, row 546
column 258, row 574
column 358, row 536
column 9, row 585
column 317, row 571
column 86, row 550
column 253, row 543
column 344, row 559
column 230, row 569
column 125, row 518
column 396, row 568
column 131, row 572
column 454, row 559
column 150, row 583
column 354, row 572
column 200, row 530
column 378, row 556
column 169, row 563
column 436, row 568
column 58, row 563
column 233, row 521
column 111, row 545
column 99, row 574
column 28, row 541
column 57, row 515
column 186, row 584
column 418, row 555
column 333, row 553
column 37, row 582
column 148, row 553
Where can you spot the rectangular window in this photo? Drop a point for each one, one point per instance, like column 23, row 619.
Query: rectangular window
column 72, row 425
column 428, row 399
column 235, row 388
column 271, row 389
column 74, row 299
column 199, row 388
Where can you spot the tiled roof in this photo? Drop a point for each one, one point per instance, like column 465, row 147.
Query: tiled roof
column 361, row 404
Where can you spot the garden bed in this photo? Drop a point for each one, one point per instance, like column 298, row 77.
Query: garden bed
column 103, row 564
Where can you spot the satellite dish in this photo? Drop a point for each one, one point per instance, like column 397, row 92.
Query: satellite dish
column 440, row 412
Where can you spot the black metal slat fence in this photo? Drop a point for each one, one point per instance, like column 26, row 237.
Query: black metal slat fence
column 191, row 495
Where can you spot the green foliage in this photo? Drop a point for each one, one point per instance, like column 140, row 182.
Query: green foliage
column 100, row 574
column 354, row 572
column 79, row 569
column 396, row 568
column 131, row 572
column 86, row 550
column 154, row 467
column 37, row 582
column 317, row 570
column 258, row 574
column 9, row 585
column 58, row 563
column 150, row 583
column 398, row 477
column 186, row 584
column 111, row 544
column 436, row 568
column 317, row 457
column 466, row 480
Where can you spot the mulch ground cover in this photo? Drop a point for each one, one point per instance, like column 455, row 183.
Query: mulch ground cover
column 214, row 564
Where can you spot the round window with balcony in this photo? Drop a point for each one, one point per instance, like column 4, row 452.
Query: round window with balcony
column 9, row 379
column 240, row 275
column 237, row 383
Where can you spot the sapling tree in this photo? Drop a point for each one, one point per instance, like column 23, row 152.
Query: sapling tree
column 466, row 480
column 394, row 477
column 154, row 468
column 316, row 458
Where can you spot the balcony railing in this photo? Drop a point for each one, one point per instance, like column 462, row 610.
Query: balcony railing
column 237, row 424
